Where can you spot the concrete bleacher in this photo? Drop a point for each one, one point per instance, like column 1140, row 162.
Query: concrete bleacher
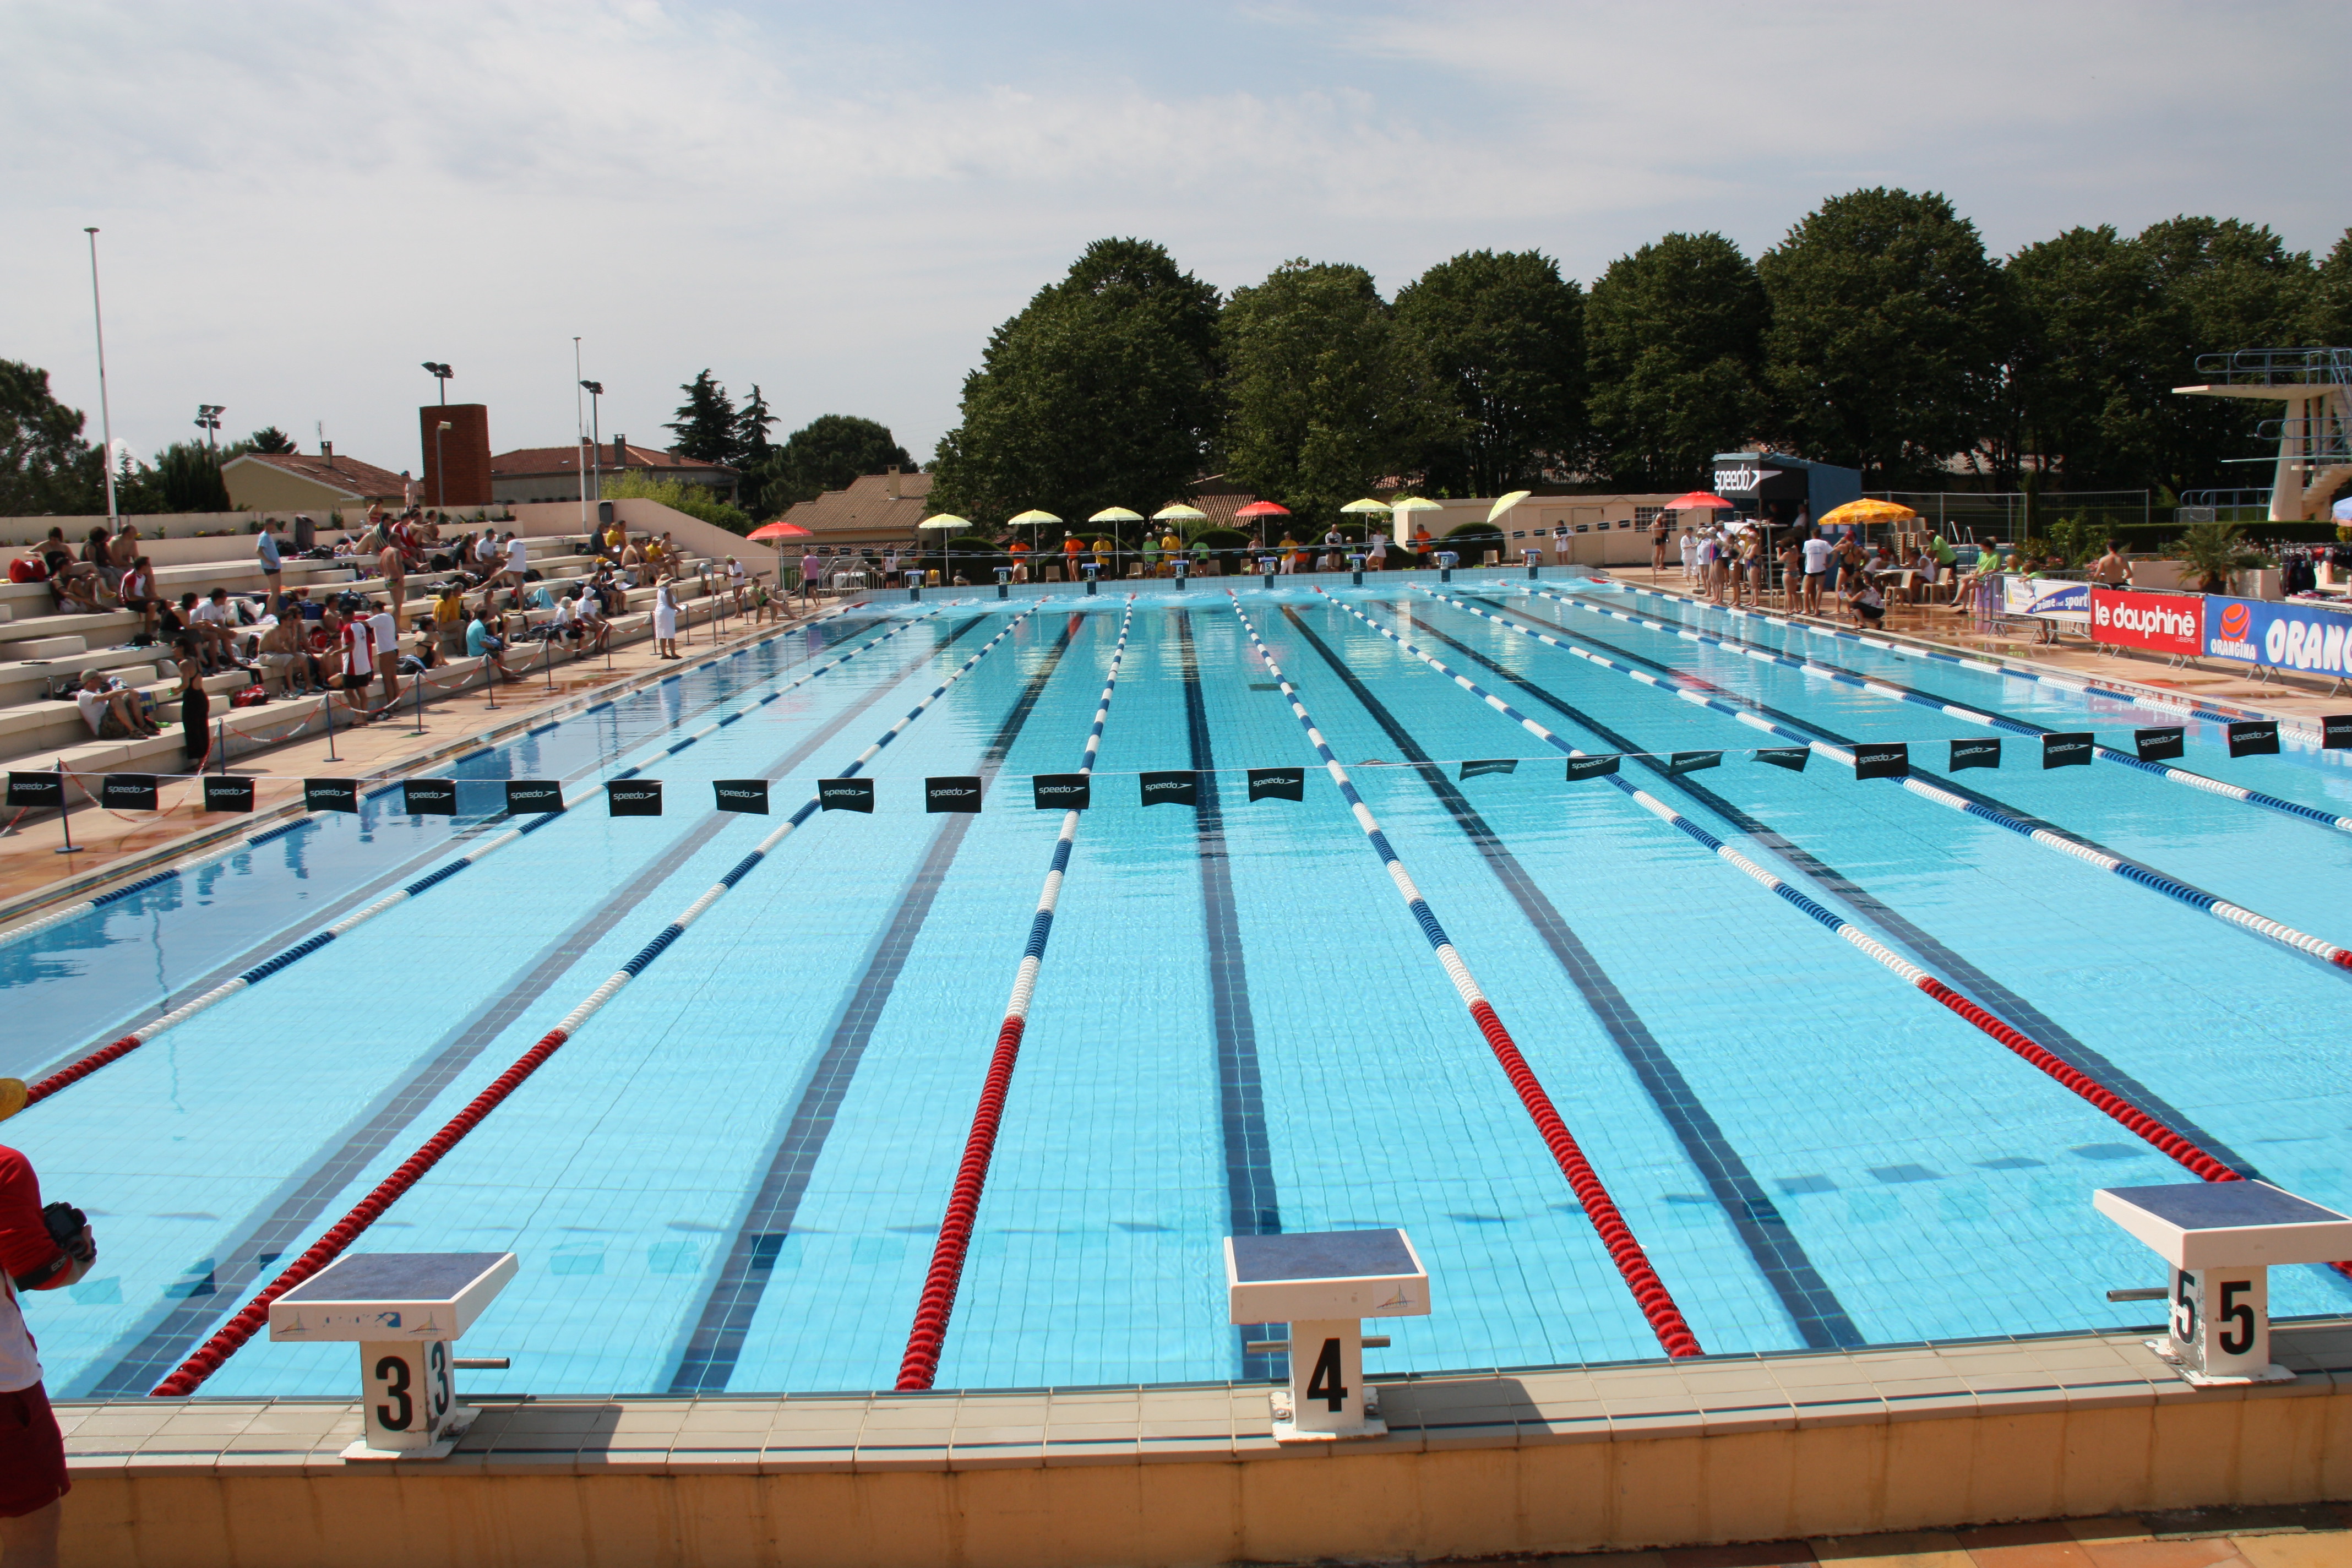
column 41, row 649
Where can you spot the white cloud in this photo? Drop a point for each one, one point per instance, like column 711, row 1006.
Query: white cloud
column 300, row 202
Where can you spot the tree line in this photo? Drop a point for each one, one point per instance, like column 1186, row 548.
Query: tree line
column 1879, row 334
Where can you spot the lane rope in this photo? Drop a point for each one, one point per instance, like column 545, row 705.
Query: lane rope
column 75, row 1071
column 920, row 1363
column 1897, row 691
column 2172, row 1143
column 209, row 1356
column 1968, row 802
column 1650, row 1292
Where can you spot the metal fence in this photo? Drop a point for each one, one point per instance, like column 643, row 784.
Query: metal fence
column 2001, row 517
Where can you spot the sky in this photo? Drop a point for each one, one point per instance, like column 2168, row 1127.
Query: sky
column 299, row 204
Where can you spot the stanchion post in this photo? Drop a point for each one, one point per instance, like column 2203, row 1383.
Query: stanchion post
column 490, row 682
column 420, row 702
column 327, row 707
column 64, row 808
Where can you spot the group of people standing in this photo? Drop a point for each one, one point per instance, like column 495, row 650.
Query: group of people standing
column 1731, row 564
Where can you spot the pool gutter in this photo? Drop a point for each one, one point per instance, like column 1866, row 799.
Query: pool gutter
column 1526, row 1460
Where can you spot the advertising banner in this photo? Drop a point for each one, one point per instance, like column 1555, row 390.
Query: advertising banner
column 2285, row 637
column 2161, row 623
column 2030, row 596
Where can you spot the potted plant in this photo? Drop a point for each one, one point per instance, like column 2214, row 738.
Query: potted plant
column 2210, row 553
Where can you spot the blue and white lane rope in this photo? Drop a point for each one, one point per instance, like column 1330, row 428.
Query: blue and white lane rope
column 2154, row 703
column 74, row 1071
column 1899, row 693
column 2048, row 836
column 208, row 1357
column 920, row 1363
column 2182, row 1149
column 1649, row 1293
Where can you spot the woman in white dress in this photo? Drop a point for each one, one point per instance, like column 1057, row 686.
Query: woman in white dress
column 665, row 620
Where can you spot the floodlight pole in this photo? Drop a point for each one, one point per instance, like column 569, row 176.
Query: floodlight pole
column 105, row 418
column 579, row 432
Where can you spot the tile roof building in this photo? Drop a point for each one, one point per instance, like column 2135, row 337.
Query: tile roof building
column 552, row 473
column 877, row 509
column 306, row 481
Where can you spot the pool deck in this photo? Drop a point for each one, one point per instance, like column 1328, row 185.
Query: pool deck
column 1821, row 1456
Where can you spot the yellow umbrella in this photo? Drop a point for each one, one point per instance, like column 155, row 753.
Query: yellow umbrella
column 1507, row 503
column 1367, row 504
column 1865, row 510
column 1116, row 514
column 1178, row 512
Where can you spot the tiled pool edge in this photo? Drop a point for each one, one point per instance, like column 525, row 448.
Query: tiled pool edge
column 1545, row 1460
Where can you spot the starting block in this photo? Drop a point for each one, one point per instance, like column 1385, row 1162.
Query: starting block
column 1323, row 1284
column 405, row 1309
column 2221, row 1238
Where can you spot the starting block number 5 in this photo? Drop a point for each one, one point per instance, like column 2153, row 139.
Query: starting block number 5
column 2220, row 1322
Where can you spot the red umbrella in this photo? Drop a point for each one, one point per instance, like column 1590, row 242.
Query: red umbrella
column 1697, row 500
column 1262, row 509
column 780, row 529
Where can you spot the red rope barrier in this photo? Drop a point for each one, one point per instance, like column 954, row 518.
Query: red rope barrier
column 233, row 1334
column 921, row 1362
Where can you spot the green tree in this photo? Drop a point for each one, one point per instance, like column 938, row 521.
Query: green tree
column 2087, row 383
column 1504, row 332
column 826, row 454
column 1102, row 392
column 1888, row 326
column 187, row 478
column 695, row 500
column 2328, row 319
column 752, row 421
column 1325, row 396
column 45, row 467
column 2225, row 286
column 268, row 439
column 706, row 425
column 1673, row 342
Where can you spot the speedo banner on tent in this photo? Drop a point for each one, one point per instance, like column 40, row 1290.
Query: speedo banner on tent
column 2028, row 596
column 2165, row 623
column 2282, row 636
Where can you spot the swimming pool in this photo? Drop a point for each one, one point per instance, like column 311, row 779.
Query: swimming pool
column 733, row 1176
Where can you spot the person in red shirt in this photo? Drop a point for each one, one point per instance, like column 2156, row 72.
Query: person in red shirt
column 40, row 1250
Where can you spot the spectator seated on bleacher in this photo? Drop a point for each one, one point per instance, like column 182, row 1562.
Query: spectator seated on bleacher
column 483, row 642
column 111, row 710
column 285, row 653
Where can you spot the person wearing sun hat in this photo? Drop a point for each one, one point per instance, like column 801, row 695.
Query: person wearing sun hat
column 40, row 1250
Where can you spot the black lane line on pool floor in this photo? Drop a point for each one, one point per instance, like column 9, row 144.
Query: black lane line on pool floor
column 2014, row 1008
column 166, row 1341
column 341, row 904
column 1812, row 1307
column 708, row 1358
column 1253, row 1205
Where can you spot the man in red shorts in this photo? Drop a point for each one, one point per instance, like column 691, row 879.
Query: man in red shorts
column 33, row 1257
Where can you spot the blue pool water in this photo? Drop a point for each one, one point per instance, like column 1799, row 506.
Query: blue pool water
column 732, row 1177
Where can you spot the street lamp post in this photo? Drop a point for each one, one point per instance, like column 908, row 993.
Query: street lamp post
column 441, row 374
column 105, row 418
column 208, row 421
column 440, row 474
column 597, row 432
column 579, row 432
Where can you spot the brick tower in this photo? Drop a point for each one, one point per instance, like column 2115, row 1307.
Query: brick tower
column 463, row 448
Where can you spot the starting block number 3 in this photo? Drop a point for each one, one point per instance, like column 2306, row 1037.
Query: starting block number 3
column 409, row 1393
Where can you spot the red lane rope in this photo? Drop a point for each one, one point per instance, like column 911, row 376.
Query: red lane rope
column 233, row 1334
column 1650, row 1292
column 921, row 1361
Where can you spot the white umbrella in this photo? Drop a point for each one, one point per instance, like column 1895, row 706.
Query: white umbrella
column 1401, row 507
column 946, row 519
